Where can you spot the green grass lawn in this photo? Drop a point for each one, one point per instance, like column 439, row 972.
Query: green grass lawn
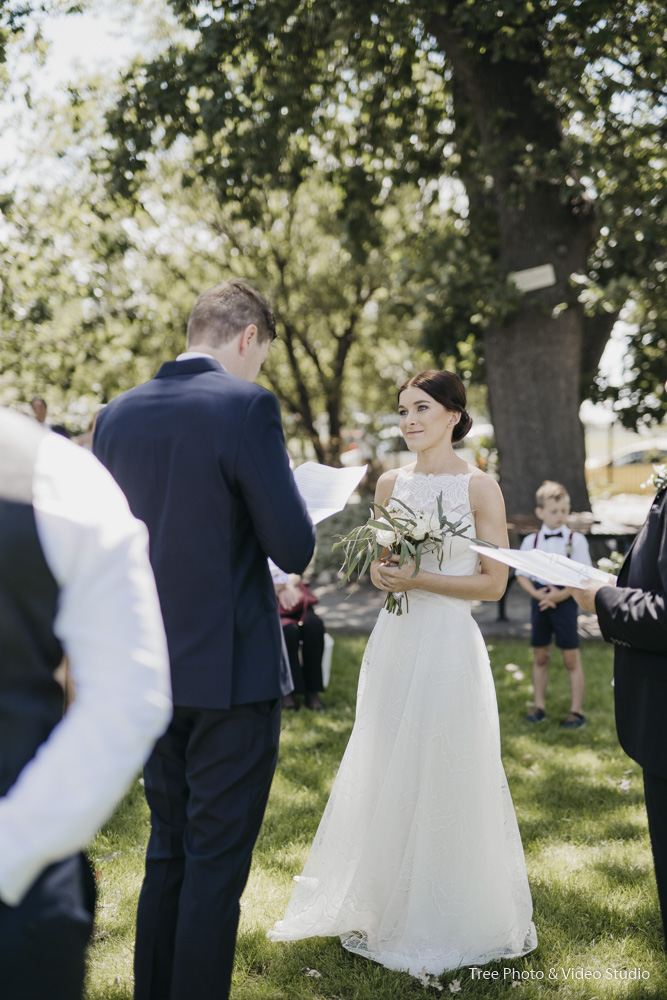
column 579, row 803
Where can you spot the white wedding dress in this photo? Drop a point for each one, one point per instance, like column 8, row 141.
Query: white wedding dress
column 417, row 862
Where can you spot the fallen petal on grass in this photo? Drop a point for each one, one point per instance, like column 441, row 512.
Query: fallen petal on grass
column 428, row 979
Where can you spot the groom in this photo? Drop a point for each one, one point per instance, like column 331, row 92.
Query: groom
column 200, row 453
column 633, row 616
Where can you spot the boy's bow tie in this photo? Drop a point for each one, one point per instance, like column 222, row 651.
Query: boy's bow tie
column 556, row 534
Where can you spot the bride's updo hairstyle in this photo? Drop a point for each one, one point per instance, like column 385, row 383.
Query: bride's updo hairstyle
column 447, row 389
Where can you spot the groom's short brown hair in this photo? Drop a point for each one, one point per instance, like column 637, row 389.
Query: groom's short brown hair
column 221, row 312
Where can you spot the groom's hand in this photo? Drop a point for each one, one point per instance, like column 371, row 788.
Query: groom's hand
column 585, row 596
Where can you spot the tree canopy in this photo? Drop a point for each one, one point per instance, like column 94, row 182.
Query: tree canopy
column 382, row 171
column 547, row 117
column 96, row 290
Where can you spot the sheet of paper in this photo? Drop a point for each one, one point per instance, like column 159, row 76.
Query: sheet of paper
column 326, row 490
column 555, row 569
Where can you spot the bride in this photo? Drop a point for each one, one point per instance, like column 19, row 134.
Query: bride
column 417, row 862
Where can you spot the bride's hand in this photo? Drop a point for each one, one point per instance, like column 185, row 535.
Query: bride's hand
column 394, row 578
column 376, row 577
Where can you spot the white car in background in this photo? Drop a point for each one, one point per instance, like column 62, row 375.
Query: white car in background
column 628, row 468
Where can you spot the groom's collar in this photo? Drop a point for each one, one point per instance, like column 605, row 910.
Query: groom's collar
column 189, row 366
column 189, row 355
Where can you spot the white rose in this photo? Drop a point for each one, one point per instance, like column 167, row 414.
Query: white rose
column 420, row 529
column 426, row 524
column 385, row 536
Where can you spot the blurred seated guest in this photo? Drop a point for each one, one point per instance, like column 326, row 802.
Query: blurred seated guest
column 304, row 638
column 39, row 409
column 74, row 579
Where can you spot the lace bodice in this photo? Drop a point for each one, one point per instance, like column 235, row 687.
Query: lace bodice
column 421, row 492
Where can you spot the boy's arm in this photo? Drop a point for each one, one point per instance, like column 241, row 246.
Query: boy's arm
column 529, row 586
column 537, row 591
column 580, row 549
column 557, row 594
column 541, row 593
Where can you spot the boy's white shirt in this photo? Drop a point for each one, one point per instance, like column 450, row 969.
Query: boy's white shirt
column 580, row 551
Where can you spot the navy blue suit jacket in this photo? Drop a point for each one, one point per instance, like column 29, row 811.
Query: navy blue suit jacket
column 633, row 615
column 200, row 455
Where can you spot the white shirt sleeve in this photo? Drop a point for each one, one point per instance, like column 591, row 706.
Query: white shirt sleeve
column 580, row 550
column 109, row 623
column 277, row 575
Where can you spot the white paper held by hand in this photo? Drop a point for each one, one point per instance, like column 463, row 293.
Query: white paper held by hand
column 555, row 569
column 326, row 490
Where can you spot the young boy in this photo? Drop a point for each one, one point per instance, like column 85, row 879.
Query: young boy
column 553, row 609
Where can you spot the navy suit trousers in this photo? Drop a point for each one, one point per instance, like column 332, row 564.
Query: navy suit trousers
column 207, row 784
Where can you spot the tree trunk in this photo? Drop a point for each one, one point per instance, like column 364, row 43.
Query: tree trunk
column 534, row 361
column 532, row 369
column 512, row 163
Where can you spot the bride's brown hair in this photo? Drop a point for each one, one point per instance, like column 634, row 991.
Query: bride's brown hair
column 448, row 390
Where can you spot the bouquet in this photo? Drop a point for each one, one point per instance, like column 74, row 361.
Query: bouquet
column 399, row 531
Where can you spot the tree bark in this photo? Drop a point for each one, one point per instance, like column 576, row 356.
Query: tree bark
column 507, row 134
column 532, row 367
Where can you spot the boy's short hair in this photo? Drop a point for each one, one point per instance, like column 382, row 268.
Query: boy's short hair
column 550, row 490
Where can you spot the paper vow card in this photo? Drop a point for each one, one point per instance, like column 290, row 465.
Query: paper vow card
column 555, row 569
column 326, row 490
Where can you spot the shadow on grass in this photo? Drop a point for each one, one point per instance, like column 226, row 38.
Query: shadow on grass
column 591, row 805
column 585, row 837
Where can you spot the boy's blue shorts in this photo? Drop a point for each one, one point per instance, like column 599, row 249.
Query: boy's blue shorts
column 560, row 622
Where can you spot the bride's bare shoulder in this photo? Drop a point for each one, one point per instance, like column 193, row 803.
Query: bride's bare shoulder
column 484, row 487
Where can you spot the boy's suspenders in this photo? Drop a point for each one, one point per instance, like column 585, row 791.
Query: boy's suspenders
column 568, row 543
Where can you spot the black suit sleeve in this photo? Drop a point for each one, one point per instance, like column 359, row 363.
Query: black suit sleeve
column 281, row 521
column 634, row 617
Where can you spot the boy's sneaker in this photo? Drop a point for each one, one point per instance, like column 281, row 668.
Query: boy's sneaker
column 573, row 720
column 536, row 715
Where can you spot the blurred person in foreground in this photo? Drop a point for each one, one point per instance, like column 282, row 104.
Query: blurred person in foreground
column 633, row 616
column 74, row 579
column 199, row 452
